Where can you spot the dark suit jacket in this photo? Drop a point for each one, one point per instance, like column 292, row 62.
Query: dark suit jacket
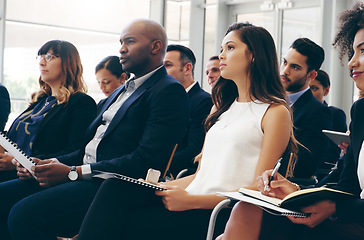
column 191, row 145
column 63, row 128
column 100, row 105
column 339, row 125
column 352, row 210
column 338, row 119
column 144, row 130
column 4, row 106
column 310, row 117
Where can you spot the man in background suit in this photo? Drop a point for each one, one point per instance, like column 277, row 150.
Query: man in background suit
column 4, row 106
column 320, row 87
column 213, row 70
column 310, row 116
column 137, row 129
column 180, row 63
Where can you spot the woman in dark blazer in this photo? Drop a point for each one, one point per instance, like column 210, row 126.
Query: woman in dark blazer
column 59, row 112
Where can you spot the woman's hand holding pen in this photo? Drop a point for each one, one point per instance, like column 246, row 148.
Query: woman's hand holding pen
column 279, row 187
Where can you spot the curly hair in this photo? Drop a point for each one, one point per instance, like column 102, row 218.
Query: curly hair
column 351, row 21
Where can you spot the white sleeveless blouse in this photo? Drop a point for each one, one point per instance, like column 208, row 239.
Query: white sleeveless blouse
column 231, row 149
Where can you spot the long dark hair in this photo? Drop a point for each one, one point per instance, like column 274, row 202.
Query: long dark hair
column 265, row 82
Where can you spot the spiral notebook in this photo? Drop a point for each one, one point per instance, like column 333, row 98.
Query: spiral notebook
column 106, row 175
column 17, row 153
column 266, row 206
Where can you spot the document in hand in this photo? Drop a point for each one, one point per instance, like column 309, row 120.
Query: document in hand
column 337, row 137
column 17, row 153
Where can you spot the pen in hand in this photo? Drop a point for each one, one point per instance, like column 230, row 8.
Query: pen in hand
column 275, row 170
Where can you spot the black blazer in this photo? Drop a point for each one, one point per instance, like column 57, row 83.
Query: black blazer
column 338, row 124
column 100, row 105
column 63, row 128
column 191, row 145
column 352, row 210
column 4, row 106
column 310, row 117
column 144, row 130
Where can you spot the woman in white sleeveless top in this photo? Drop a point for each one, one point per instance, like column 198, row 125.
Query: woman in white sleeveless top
column 248, row 130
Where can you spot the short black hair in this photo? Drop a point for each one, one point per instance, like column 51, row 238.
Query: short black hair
column 314, row 53
column 186, row 54
column 214, row 58
column 323, row 78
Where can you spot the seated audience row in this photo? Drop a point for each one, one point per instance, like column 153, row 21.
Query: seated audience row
column 249, row 127
column 137, row 128
column 328, row 219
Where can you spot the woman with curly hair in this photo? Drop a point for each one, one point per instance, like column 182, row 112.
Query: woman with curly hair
column 59, row 112
column 340, row 219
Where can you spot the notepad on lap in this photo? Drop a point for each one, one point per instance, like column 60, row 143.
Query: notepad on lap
column 292, row 203
column 106, row 175
column 17, row 153
column 267, row 206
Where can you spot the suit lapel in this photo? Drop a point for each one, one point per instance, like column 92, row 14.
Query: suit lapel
column 194, row 90
column 136, row 94
column 49, row 116
column 96, row 123
column 111, row 99
column 124, row 107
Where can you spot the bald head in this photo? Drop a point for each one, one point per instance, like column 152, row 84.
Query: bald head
column 143, row 46
column 155, row 32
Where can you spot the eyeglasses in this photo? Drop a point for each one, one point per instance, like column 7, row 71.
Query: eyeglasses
column 47, row 57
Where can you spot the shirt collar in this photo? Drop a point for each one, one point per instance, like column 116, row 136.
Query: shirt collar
column 139, row 81
column 292, row 98
column 191, row 86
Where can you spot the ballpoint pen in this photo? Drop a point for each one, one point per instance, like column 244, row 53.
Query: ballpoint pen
column 275, row 170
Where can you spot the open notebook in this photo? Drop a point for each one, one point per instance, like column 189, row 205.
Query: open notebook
column 266, row 206
column 292, row 203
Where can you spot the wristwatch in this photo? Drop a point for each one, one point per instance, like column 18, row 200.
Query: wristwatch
column 73, row 175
